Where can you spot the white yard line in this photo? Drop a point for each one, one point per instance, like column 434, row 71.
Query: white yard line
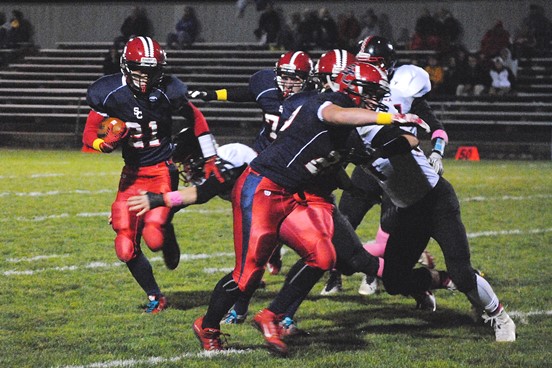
column 160, row 360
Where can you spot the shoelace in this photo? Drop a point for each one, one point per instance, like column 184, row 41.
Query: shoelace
column 217, row 339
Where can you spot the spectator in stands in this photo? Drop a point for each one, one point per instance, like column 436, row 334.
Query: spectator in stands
column 525, row 43
column 327, row 33
column 502, row 78
column 4, row 26
column 287, row 38
column 403, row 39
column 541, row 28
column 451, row 78
column 112, row 61
column 21, row 31
column 348, row 31
column 269, row 25
column 385, row 27
column 308, row 30
column 436, row 74
column 427, row 33
column 136, row 24
column 474, row 79
column 509, row 61
column 452, row 29
column 260, row 5
column 494, row 40
column 187, row 29
column 370, row 24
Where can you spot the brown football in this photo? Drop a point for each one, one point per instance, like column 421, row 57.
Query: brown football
column 116, row 126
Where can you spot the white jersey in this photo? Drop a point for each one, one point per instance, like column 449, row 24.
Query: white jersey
column 414, row 167
column 236, row 154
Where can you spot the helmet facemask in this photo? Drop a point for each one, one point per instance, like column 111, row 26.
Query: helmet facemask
column 142, row 64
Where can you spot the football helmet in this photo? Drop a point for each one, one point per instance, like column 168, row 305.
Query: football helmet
column 365, row 84
column 293, row 72
column 378, row 51
column 142, row 63
column 188, row 157
column 328, row 67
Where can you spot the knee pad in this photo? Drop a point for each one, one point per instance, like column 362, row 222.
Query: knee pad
column 325, row 256
column 153, row 231
column 124, row 247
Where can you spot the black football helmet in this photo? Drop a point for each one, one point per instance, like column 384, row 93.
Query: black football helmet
column 188, row 157
column 378, row 51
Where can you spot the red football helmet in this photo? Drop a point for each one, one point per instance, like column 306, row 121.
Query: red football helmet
column 293, row 71
column 365, row 84
column 142, row 63
column 378, row 51
column 329, row 66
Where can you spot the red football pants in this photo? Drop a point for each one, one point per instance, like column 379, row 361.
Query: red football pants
column 264, row 214
column 129, row 228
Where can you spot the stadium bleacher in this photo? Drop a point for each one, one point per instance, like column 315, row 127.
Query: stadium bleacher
column 42, row 97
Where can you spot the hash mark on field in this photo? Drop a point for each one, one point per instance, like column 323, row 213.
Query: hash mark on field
column 523, row 316
column 36, row 258
column 160, row 360
column 54, row 175
column 55, row 192
column 505, row 198
column 508, row 232
column 94, row 265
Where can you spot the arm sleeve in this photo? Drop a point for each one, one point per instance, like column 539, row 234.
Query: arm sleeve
column 90, row 133
column 421, row 107
column 238, row 94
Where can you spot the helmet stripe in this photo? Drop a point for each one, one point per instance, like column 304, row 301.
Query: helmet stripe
column 147, row 43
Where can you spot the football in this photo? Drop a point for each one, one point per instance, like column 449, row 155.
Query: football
column 113, row 126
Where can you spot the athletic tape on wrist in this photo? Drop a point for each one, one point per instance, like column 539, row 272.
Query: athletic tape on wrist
column 384, row 118
column 207, row 144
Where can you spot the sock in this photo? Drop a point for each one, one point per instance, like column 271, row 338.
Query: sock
column 141, row 270
column 483, row 296
column 224, row 295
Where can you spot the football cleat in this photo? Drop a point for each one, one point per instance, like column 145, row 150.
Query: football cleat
column 156, row 304
column 269, row 324
column 209, row 338
column 425, row 301
column 232, row 317
column 427, row 260
column 171, row 250
column 505, row 328
column 334, row 284
column 368, row 286
column 289, row 328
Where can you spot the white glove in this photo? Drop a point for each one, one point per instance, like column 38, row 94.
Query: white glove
column 411, row 120
column 436, row 161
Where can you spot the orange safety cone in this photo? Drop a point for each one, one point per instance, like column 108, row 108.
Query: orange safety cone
column 469, row 153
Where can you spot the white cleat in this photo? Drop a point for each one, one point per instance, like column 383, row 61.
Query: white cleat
column 505, row 328
column 368, row 287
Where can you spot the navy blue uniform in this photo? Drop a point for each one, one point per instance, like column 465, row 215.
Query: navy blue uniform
column 149, row 120
column 289, row 161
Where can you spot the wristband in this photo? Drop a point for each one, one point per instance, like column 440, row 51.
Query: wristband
column 222, row 94
column 97, row 143
column 173, row 199
column 384, row 118
column 155, row 200
column 439, row 146
column 207, row 144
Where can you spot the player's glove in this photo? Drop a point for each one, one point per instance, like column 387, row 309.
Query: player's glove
column 212, row 167
column 410, row 120
column 111, row 140
column 202, row 95
column 436, row 161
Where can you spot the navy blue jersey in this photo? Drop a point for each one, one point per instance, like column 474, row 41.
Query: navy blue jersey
column 263, row 86
column 307, row 153
column 292, row 103
column 148, row 118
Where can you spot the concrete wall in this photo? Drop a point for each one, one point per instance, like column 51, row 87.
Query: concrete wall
column 100, row 21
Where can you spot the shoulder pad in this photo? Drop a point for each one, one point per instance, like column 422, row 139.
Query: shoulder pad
column 410, row 81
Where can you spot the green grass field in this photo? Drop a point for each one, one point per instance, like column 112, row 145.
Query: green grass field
column 66, row 300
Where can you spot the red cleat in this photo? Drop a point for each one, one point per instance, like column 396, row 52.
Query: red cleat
column 269, row 324
column 156, row 304
column 209, row 338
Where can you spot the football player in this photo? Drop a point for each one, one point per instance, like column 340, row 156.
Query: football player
column 427, row 208
column 291, row 181
column 410, row 86
column 145, row 99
